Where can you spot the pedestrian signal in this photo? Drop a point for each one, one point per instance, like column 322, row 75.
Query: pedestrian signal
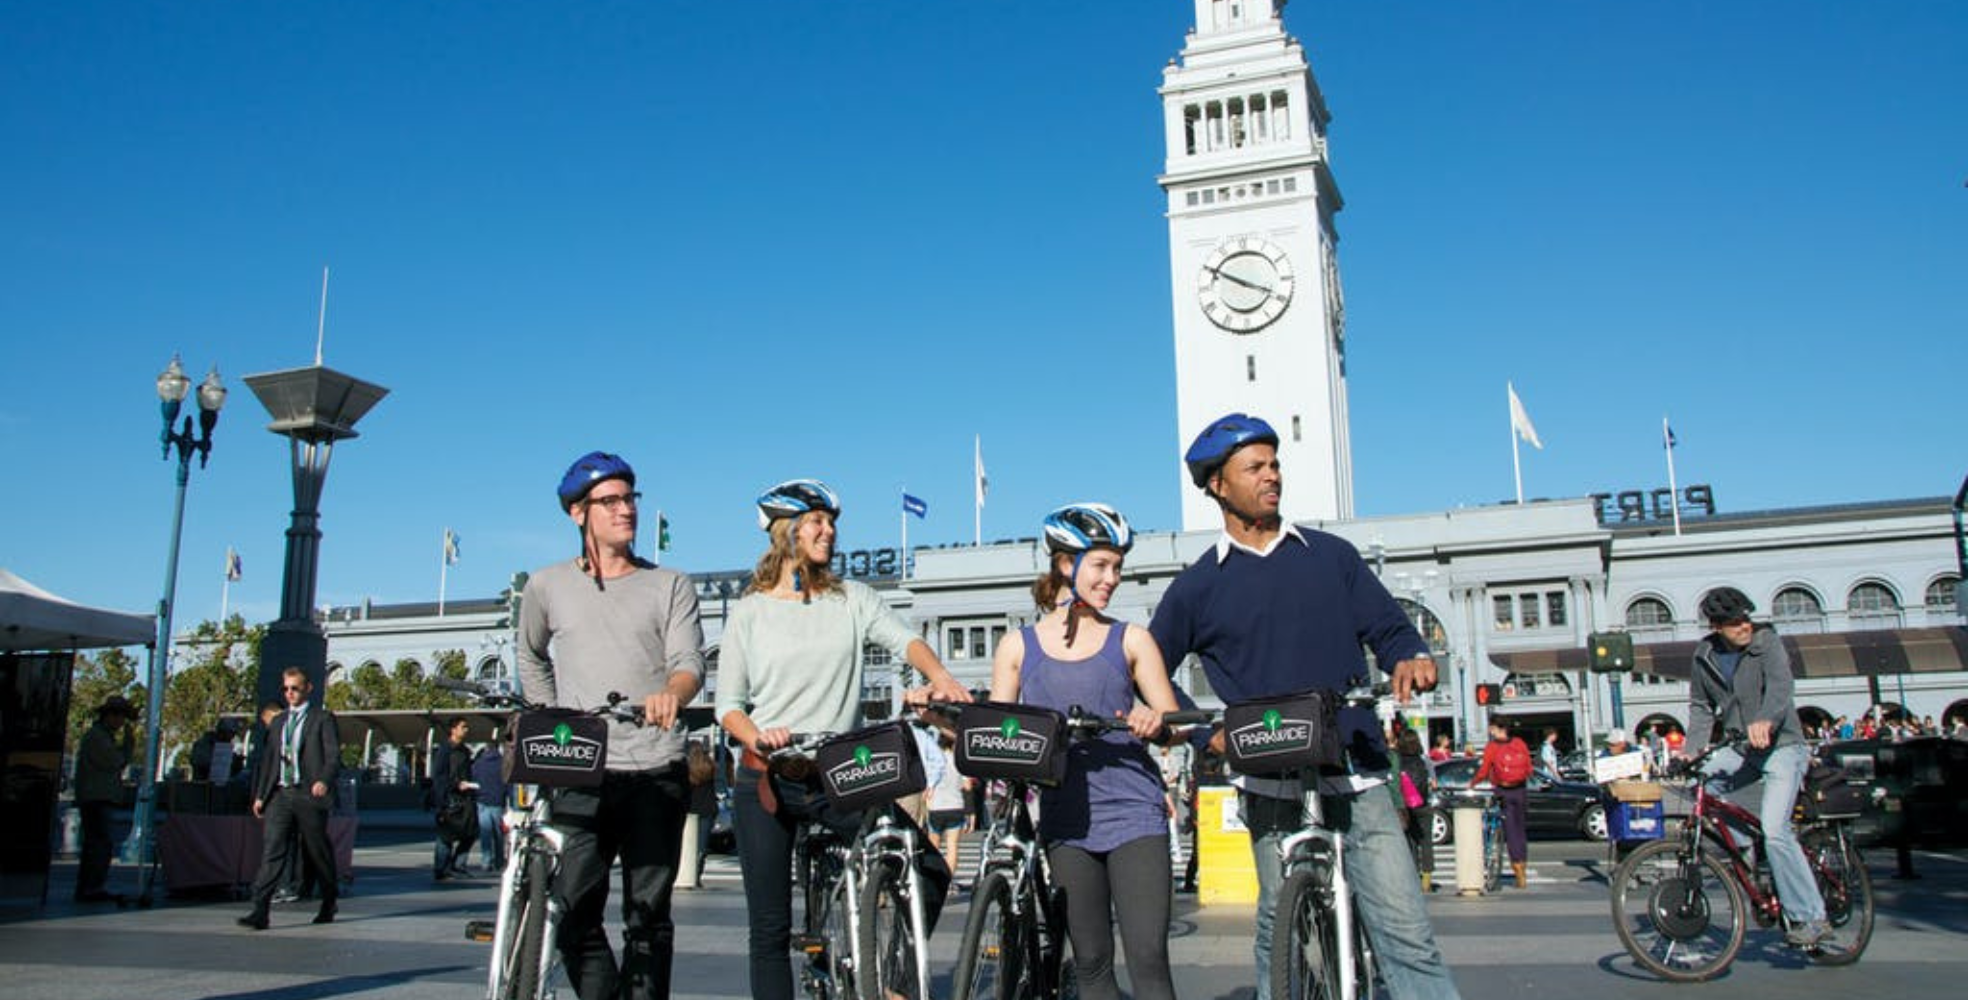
column 1489, row 694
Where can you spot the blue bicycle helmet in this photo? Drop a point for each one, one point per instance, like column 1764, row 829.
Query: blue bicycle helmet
column 795, row 497
column 1078, row 527
column 591, row 468
column 1220, row 440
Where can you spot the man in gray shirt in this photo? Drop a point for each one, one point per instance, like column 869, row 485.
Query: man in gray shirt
column 607, row 623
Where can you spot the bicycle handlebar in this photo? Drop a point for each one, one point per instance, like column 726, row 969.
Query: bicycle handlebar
column 513, row 699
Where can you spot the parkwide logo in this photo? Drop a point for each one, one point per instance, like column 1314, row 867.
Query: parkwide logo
column 1007, row 742
column 1272, row 734
column 560, row 750
column 867, row 769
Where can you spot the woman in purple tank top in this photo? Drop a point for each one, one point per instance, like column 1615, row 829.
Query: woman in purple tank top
column 1105, row 827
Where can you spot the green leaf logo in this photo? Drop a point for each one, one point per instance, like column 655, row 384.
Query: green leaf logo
column 862, row 755
column 562, row 733
column 1009, row 727
column 1271, row 718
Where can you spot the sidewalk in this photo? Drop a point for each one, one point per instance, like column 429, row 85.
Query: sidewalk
column 400, row 935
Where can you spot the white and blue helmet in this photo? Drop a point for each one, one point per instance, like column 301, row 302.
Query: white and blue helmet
column 1078, row 527
column 795, row 497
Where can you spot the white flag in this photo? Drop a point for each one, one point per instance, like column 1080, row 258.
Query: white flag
column 450, row 547
column 233, row 567
column 1521, row 421
column 983, row 481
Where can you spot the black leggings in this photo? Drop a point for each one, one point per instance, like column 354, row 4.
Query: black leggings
column 1133, row 879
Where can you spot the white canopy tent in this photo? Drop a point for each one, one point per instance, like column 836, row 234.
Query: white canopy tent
column 33, row 619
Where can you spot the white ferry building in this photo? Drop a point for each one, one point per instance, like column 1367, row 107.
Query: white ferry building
column 1506, row 594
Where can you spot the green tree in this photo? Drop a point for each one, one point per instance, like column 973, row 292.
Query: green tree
column 218, row 672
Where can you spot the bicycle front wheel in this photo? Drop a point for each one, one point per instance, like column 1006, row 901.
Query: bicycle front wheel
column 991, row 960
column 1681, row 917
column 1492, row 859
column 525, row 947
column 1304, row 940
column 1847, row 892
column 887, row 939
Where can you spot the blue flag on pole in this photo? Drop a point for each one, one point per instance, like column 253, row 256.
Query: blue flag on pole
column 915, row 505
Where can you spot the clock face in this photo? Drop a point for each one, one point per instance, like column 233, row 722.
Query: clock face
column 1244, row 284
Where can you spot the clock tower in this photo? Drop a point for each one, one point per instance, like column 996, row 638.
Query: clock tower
column 1260, row 326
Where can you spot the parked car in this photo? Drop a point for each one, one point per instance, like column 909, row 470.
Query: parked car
column 1553, row 807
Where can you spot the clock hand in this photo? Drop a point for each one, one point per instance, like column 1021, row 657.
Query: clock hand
column 1252, row 285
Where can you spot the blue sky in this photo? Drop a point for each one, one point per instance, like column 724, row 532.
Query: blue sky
column 743, row 242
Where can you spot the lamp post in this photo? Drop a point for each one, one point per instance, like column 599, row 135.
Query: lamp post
column 312, row 408
column 172, row 387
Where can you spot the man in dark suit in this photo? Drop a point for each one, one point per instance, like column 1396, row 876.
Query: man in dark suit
column 292, row 792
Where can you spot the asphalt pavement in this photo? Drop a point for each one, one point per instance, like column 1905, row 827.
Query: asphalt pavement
column 401, row 935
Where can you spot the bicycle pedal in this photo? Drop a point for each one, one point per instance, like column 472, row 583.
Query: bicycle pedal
column 810, row 944
column 479, row 930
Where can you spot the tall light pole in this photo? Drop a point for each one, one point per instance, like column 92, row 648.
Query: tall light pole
column 312, row 408
column 172, row 387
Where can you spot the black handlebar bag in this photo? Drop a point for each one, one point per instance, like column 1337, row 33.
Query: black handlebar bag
column 556, row 747
column 870, row 767
column 998, row 739
column 1291, row 732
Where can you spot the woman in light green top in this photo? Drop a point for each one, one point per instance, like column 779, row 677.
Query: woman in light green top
column 790, row 662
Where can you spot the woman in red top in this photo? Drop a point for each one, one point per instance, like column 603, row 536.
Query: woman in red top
column 1509, row 779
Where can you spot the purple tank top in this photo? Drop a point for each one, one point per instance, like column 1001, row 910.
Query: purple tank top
column 1113, row 792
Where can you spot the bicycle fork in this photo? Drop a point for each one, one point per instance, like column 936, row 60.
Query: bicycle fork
column 1316, row 840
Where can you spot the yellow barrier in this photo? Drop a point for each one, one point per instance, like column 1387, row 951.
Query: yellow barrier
column 1225, row 872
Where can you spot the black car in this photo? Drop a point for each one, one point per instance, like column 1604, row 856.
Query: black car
column 1553, row 807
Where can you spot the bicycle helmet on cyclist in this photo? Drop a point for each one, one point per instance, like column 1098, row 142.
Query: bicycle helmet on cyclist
column 1078, row 527
column 795, row 497
column 1726, row 604
column 588, row 471
column 1220, row 440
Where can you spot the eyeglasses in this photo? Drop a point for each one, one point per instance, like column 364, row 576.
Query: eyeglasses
column 617, row 502
column 1726, row 622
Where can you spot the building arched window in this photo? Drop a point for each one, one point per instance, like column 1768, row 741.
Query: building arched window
column 1872, row 604
column 1943, row 598
column 1649, row 619
column 1795, row 609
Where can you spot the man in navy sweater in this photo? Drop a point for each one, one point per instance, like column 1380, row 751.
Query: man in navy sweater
column 1274, row 609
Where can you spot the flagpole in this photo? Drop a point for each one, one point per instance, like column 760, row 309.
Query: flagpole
column 904, row 514
column 443, row 569
column 1516, row 462
column 225, row 596
column 977, row 484
column 1673, row 491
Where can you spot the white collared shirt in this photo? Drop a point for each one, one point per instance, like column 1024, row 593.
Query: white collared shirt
column 1224, row 543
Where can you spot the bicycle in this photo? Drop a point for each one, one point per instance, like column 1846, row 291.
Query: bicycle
column 1014, row 939
column 865, row 932
column 523, row 961
column 1319, row 948
column 1682, row 905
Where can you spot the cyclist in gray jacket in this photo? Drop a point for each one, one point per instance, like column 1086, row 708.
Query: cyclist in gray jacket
column 1742, row 678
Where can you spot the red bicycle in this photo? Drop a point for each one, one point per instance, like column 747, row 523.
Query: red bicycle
column 1682, row 904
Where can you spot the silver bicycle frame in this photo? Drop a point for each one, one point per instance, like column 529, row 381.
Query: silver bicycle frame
column 1312, row 819
column 522, row 826
column 893, row 840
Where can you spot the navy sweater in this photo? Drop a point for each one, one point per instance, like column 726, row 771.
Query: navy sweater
column 1294, row 620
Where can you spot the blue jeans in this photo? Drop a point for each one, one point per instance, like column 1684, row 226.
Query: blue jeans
column 491, row 839
column 1382, row 872
column 1781, row 769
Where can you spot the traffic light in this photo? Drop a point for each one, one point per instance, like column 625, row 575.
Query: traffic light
column 1609, row 652
column 1489, row 695
column 662, row 532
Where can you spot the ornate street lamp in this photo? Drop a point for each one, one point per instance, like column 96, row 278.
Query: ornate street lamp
column 172, row 387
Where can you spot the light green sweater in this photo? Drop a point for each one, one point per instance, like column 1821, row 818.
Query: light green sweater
column 798, row 665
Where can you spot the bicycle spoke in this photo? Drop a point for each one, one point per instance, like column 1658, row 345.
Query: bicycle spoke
column 1679, row 916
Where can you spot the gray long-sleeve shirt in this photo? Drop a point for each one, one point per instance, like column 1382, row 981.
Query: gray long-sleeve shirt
column 579, row 642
